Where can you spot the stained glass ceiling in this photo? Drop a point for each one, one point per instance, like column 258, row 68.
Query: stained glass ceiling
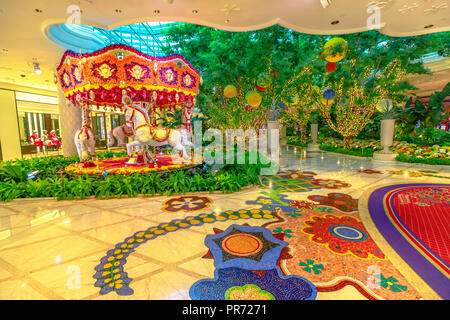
column 146, row 37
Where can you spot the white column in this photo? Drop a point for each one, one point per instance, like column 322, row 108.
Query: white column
column 314, row 146
column 70, row 122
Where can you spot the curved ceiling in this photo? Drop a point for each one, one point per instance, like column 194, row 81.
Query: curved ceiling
column 27, row 22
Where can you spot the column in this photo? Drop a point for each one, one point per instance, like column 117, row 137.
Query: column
column 314, row 146
column 9, row 126
column 70, row 122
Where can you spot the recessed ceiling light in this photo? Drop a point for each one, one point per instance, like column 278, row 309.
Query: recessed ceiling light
column 38, row 10
column 335, row 22
column 429, row 26
column 227, row 21
column 156, row 11
column 22, row 75
column 118, row 11
column 194, row 11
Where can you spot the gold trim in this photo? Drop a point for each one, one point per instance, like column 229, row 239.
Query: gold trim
column 401, row 265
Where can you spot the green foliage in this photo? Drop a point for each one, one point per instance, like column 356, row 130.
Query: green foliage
column 275, row 54
column 427, row 137
column 14, row 183
column 432, row 161
column 368, row 152
column 296, row 141
column 427, row 116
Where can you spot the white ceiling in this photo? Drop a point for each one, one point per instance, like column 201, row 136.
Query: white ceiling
column 23, row 29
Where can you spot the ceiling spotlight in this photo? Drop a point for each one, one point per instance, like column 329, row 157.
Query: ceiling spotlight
column 156, row 11
column 37, row 68
column 335, row 22
column 118, row 11
column 227, row 21
column 194, row 11
column 325, row 3
column 38, row 10
column 429, row 26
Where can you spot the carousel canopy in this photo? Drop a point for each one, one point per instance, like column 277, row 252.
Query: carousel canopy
column 99, row 78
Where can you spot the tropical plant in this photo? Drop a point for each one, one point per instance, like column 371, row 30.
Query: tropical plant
column 266, row 62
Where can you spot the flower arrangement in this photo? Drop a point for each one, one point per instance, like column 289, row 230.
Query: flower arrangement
column 107, row 72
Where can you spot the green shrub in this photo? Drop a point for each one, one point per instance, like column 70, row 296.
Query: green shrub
column 427, row 137
column 360, row 153
column 433, row 161
column 14, row 183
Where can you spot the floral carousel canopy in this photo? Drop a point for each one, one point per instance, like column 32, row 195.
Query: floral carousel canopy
column 99, row 78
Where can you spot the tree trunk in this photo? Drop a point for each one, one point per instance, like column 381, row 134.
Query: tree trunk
column 303, row 135
column 348, row 142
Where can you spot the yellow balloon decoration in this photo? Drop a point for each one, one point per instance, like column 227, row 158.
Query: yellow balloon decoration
column 254, row 99
column 326, row 102
column 316, row 89
column 331, row 45
column 230, row 91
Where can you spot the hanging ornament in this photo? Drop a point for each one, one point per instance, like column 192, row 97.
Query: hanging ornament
column 230, row 91
column 316, row 89
column 263, row 82
column 330, row 66
column 326, row 102
column 329, row 94
column 335, row 49
column 253, row 98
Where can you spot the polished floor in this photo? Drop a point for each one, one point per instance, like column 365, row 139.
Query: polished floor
column 57, row 249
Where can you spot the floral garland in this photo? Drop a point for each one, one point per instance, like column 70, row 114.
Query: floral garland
column 108, row 71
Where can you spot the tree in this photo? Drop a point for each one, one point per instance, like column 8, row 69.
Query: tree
column 301, row 105
column 375, row 68
column 277, row 55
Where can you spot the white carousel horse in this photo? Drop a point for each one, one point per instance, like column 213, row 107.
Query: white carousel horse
column 84, row 138
column 120, row 133
column 146, row 135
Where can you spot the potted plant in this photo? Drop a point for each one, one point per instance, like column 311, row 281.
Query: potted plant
column 387, row 112
column 314, row 146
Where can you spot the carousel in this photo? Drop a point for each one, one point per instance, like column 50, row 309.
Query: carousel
column 141, row 87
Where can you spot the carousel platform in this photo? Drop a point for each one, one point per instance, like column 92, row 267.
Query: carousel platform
column 121, row 165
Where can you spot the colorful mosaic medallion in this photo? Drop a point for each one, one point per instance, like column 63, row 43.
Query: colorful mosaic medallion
column 330, row 183
column 246, row 260
column 190, row 203
column 342, row 235
column 340, row 201
column 335, row 252
column 110, row 274
column 287, row 184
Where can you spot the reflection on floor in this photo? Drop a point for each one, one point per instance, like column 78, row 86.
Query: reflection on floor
column 297, row 236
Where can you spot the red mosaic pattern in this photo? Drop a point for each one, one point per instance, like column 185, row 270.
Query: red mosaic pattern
column 339, row 270
column 330, row 183
column 351, row 239
column 340, row 201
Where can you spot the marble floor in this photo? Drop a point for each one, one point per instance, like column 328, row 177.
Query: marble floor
column 60, row 249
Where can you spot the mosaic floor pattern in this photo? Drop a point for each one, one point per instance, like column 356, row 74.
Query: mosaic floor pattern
column 300, row 235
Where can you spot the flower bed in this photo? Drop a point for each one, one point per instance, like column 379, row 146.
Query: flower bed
column 408, row 152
